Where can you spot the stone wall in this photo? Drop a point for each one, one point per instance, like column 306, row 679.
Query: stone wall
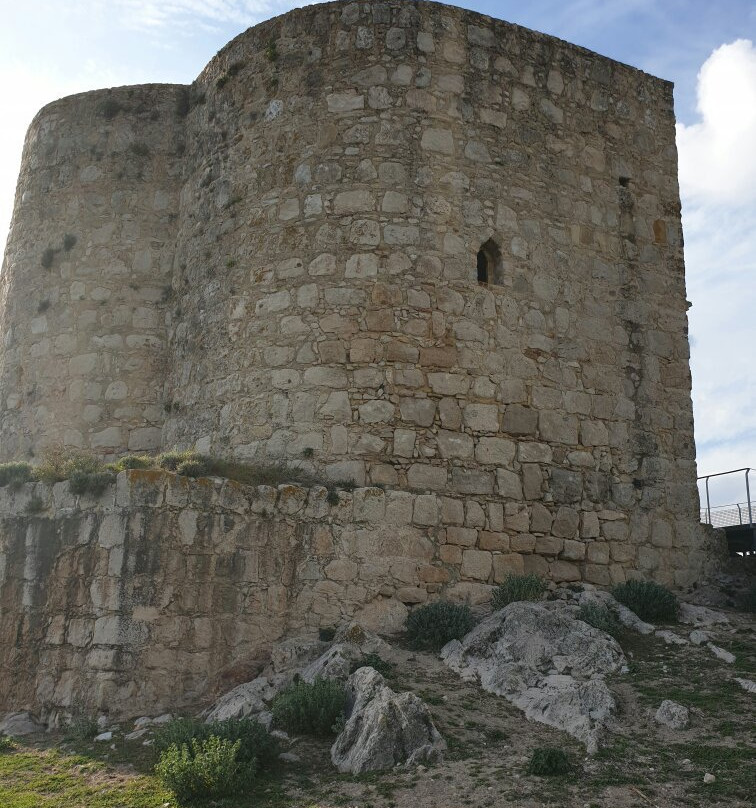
column 165, row 591
column 282, row 260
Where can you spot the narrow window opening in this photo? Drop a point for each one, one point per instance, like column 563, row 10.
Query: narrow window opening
column 489, row 263
column 482, row 267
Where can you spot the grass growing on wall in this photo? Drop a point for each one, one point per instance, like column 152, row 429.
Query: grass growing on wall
column 87, row 474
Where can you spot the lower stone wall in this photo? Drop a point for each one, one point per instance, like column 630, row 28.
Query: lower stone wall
column 166, row 590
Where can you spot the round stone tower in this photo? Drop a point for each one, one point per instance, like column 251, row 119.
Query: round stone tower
column 406, row 244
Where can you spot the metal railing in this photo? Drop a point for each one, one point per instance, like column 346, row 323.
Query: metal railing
column 726, row 515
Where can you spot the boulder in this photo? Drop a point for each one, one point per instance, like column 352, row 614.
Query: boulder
column 672, row 715
column 19, row 724
column 628, row 618
column 335, row 663
column 747, row 685
column 243, row 701
column 700, row 616
column 384, row 729
column 545, row 661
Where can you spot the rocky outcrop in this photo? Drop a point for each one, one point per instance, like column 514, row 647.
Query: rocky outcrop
column 384, row 729
column 547, row 662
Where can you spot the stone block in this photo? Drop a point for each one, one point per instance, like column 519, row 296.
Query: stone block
column 423, row 477
column 493, row 541
column 548, row 545
column 562, row 571
column 426, row 511
column 508, row 484
column 476, row 564
column 573, row 550
column 519, row 420
column 566, row 523
column 505, row 564
column 482, row 417
column 464, row 536
column 369, row 505
column 454, row 444
column 522, row 543
column 471, row 481
column 597, row 552
column 420, row 411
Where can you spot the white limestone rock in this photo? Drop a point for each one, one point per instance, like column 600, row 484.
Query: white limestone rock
column 671, row 638
column 699, row 637
column 628, row 618
column 700, row 616
column 19, row 724
column 384, row 729
column 747, row 685
column 672, row 715
column 243, row 701
column 721, row 653
column 545, row 661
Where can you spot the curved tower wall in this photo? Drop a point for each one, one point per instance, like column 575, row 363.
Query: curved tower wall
column 87, row 274
column 282, row 260
column 347, row 166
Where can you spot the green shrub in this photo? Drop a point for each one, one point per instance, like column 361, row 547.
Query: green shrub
column 60, row 463
column 518, row 587
column 198, row 467
column 94, row 483
column 204, row 769
column 649, row 600
column 133, row 462
column 434, row 625
column 6, row 743
column 600, row 617
column 15, row 474
column 110, row 108
column 386, row 669
column 172, row 460
column 313, row 709
column 255, row 743
column 549, row 762
column 82, row 728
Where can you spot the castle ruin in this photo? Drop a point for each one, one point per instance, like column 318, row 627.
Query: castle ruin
column 401, row 243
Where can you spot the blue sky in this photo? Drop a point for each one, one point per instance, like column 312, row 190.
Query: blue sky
column 51, row 48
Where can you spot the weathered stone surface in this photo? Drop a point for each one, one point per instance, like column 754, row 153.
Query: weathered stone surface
column 672, row 715
column 247, row 699
column 19, row 724
column 384, row 729
column 544, row 661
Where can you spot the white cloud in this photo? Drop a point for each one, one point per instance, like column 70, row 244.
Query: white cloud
column 718, row 154
column 718, row 186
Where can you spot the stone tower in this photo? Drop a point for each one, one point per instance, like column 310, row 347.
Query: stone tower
column 407, row 244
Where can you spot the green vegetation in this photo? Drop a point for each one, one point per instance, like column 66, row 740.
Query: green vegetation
column 15, row 474
column 600, row 617
column 82, row 728
column 6, row 743
column 256, row 746
column 549, row 762
column 431, row 627
column 518, row 587
column 313, row 709
column 69, row 242
column 271, row 51
column 386, row 669
column 204, row 769
column 110, row 108
column 649, row 600
column 94, row 483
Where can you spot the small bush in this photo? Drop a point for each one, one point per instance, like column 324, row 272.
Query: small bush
column 6, row 743
column 82, row 728
column 434, row 625
column 133, row 462
column 649, row 600
column 255, row 742
column 172, row 460
column 313, row 709
column 48, row 256
column 197, row 467
column 271, row 51
column 204, row 769
column 15, row 474
column 386, row 669
column 60, row 463
column 549, row 762
column 94, row 483
column 69, row 242
column 600, row 617
column 518, row 587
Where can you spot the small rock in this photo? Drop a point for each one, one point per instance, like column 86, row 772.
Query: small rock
column 265, row 718
column 720, row 653
column 102, row 722
column 698, row 637
column 289, row 757
column 709, row 778
column 243, row 701
column 672, row 715
column 280, row 734
column 136, row 735
column 747, row 685
column 162, row 719
column 104, row 736
column 700, row 615
column 671, row 638
column 144, row 721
